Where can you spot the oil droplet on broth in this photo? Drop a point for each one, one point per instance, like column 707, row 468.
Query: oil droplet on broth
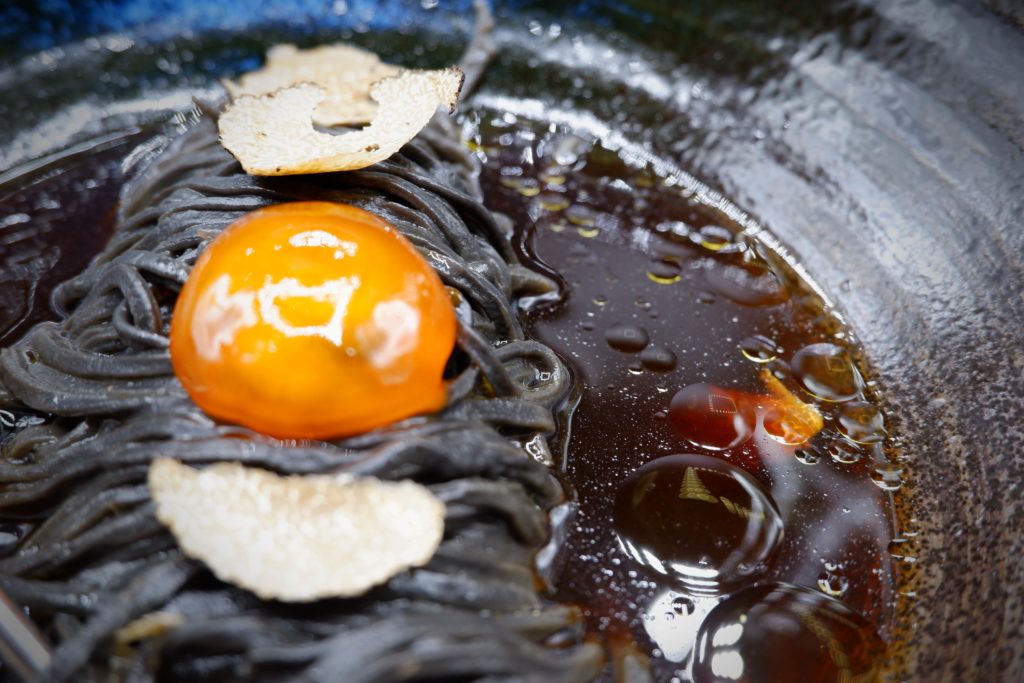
column 664, row 271
column 581, row 216
column 887, row 476
column 698, row 519
column 682, row 605
column 715, row 238
column 861, row 422
column 747, row 285
column 552, row 201
column 901, row 549
column 671, row 620
column 807, row 456
column 658, row 359
column 706, row 297
column 759, row 349
column 554, row 176
column 711, row 417
column 833, row 582
column 844, row 452
column 529, row 187
column 627, row 338
column 781, row 632
column 827, row 372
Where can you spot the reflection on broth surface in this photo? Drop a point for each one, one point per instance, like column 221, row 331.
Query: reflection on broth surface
column 699, row 520
column 669, row 316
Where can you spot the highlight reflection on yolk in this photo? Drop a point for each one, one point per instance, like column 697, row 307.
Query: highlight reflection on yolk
column 312, row 320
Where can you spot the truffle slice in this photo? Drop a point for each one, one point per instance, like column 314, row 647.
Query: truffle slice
column 296, row 538
column 273, row 134
column 345, row 72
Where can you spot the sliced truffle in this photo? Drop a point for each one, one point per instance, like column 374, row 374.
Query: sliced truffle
column 273, row 134
column 344, row 72
column 297, row 538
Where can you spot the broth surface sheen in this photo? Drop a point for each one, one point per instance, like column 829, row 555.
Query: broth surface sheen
column 665, row 296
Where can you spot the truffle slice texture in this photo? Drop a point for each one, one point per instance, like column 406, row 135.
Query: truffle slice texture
column 273, row 134
column 345, row 72
column 296, row 538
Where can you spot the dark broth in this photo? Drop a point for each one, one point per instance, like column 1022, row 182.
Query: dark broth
column 662, row 292
column 54, row 217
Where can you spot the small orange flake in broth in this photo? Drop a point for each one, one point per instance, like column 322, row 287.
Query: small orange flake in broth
column 716, row 417
column 313, row 320
column 787, row 418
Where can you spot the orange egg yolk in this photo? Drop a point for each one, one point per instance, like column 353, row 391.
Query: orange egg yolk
column 312, row 320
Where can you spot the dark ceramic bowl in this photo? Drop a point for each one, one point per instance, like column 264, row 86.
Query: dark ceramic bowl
column 881, row 142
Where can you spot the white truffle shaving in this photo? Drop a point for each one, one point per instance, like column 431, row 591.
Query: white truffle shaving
column 344, row 72
column 273, row 134
column 296, row 539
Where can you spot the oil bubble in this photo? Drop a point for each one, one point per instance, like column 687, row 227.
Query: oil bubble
column 673, row 230
column 552, row 201
column 782, row 632
column 528, row 187
column 698, row 519
column 887, row 476
column 554, row 176
column 900, row 550
column 581, row 216
column 833, row 582
column 749, row 286
column 807, row 456
column 658, row 359
column 682, row 605
column 844, row 452
column 759, row 349
column 715, row 238
column 861, row 422
column 626, row 338
column 663, row 271
column 705, row 297
column 566, row 150
column 711, row 417
column 672, row 619
column 827, row 372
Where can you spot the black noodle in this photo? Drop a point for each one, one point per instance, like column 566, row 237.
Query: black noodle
column 98, row 559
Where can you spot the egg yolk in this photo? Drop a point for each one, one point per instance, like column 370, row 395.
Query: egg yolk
column 312, row 320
